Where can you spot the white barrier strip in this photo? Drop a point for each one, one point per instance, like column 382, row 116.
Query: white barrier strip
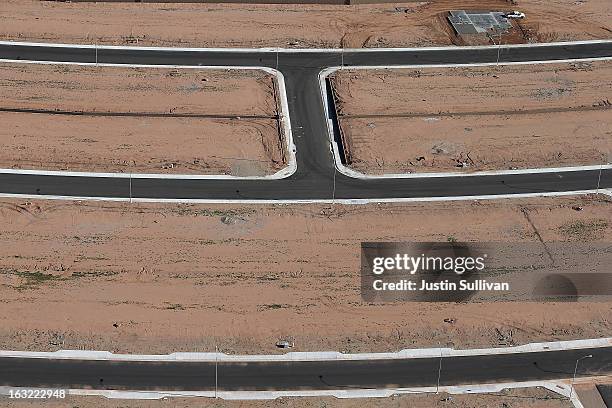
column 301, row 50
column 360, row 201
column 311, row 356
column 556, row 386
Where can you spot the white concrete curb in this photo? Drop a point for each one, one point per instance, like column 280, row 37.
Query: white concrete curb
column 323, row 75
column 559, row 387
column 284, row 119
column 355, row 201
column 300, row 50
column 311, row 356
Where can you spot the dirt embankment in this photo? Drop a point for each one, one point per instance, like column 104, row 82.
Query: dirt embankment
column 138, row 120
column 520, row 398
column 163, row 278
column 477, row 118
column 244, row 25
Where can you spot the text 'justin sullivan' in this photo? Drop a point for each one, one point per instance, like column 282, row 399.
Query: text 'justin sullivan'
column 442, row 286
column 413, row 264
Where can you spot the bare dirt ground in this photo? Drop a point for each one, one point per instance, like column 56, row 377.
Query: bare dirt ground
column 401, row 121
column 137, row 90
column 233, row 25
column 520, row 398
column 159, row 278
column 138, row 120
column 589, row 395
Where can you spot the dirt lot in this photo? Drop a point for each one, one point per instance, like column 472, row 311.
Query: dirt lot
column 522, row 398
column 232, row 25
column 400, row 121
column 138, row 120
column 160, row 278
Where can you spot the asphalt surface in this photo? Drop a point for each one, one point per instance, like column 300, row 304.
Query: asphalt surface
column 605, row 390
column 316, row 177
column 327, row 375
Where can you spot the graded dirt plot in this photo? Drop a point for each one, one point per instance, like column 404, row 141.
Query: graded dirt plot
column 163, row 278
column 518, row 398
column 138, row 120
column 137, row 90
column 506, row 117
column 139, row 144
column 413, row 23
column 485, row 142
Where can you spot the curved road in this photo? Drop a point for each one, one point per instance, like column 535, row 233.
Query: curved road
column 315, row 178
column 301, row 375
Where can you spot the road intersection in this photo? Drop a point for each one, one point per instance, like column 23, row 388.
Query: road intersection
column 317, row 176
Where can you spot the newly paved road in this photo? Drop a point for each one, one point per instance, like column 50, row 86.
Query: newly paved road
column 315, row 177
column 606, row 394
column 327, row 375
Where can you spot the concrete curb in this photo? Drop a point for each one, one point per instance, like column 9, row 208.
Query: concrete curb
column 301, row 50
column 352, row 201
column 310, row 356
column 558, row 387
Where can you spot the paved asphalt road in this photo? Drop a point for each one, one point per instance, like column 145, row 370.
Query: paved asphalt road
column 606, row 394
column 314, row 178
column 328, row 375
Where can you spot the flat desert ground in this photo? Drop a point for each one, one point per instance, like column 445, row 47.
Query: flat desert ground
column 413, row 23
column 139, row 120
column 152, row 278
column 521, row 398
column 476, row 118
